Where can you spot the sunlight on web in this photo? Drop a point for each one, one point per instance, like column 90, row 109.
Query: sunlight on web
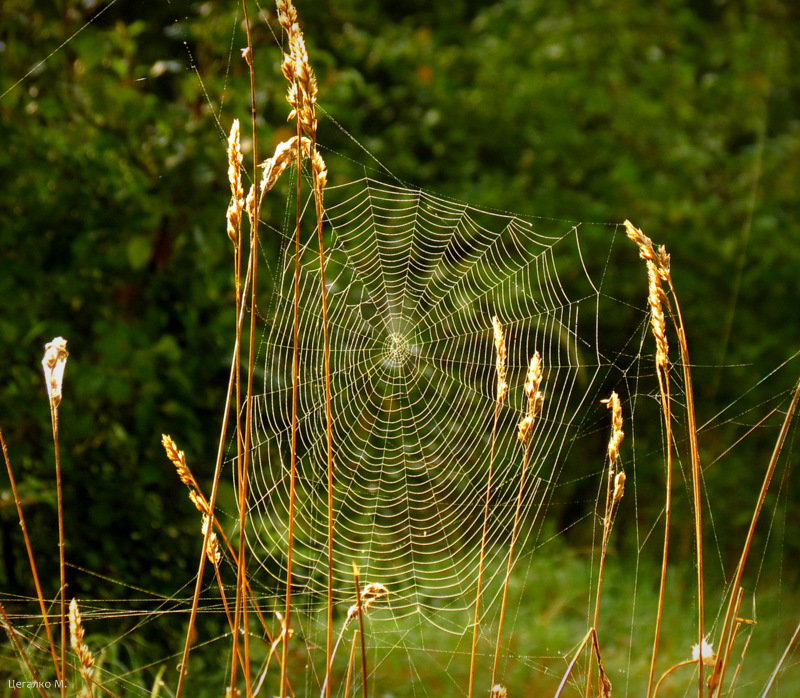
column 414, row 281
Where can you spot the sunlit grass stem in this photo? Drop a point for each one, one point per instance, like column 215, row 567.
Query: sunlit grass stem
column 31, row 561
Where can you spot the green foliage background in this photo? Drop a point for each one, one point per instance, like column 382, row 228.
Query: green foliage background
column 682, row 116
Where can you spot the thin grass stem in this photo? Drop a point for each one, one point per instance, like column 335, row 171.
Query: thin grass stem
column 718, row 674
column 31, row 561
column 18, row 645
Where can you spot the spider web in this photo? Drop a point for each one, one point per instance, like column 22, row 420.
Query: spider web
column 413, row 283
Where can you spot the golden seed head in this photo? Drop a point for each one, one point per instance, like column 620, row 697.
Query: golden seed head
column 285, row 154
column 617, row 434
column 250, row 204
column 619, row 486
column 76, row 635
column 53, row 363
column 659, row 326
column 500, row 347
column 371, row 593
column 535, row 398
column 320, row 170
column 234, row 215
column 212, row 548
column 199, row 501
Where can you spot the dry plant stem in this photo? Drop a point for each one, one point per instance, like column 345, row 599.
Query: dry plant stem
column 61, row 565
column 514, row 533
column 29, row 549
column 240, row 611
column 295, row 380
column 591, row 635
column 13, row 635
column 328, row 412
column 669, row 671
column 483, row 551
column 781, row 662
column 718, row 673
column 211, row 503
column 350, row 661
column 696, row 483
column 666, row 408
column 361, row 632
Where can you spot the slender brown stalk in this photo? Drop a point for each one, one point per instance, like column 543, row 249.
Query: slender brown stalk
column 502, row 391
column 535, row 402
column 18, row 645
column 349, row 676
column 211, row 504
column 615, row 488
column 54, row 363
column 657, row 273
column 241, row 606
column 372, row 592
column 694, row 452
column 302, row 96
column 605, row 684
column 718, row 673
column 361, row 633
column 29, row 550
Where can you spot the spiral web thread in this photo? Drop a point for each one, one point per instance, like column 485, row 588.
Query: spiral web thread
column 413, row 283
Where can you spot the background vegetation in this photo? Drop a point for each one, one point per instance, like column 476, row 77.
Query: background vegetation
column 682, row 116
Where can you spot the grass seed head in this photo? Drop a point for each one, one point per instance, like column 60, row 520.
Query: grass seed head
column 234, row 215
column 535, row 398
column 617, row 434
column 76, row 635
column 500, row 348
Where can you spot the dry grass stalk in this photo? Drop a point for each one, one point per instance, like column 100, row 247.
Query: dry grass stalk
column 604, row 681
column 5, row 622
column 360, row 611
column 364, row 602
column 85, row 656
column 502, row 391
column 302, row 97
column 29, row 550
column 615, row 488
column 533, row 382
column 717, row 677
column 241, row 288
column 54, row 362
column 658, row 272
